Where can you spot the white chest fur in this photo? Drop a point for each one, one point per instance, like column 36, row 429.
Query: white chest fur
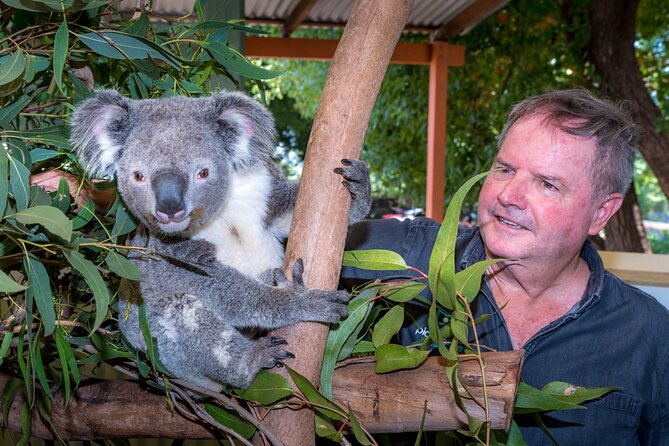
column 238, row 230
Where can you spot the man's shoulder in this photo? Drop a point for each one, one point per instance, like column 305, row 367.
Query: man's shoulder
column 642, row 305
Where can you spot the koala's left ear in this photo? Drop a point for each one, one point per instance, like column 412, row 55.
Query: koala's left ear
column 249, row 125
column 99, row 127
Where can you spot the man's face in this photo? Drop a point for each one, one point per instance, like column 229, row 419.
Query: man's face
column 539, row 205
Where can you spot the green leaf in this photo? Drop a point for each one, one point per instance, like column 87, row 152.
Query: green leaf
column 39, row 367
column 139, row 27
column 4, row 180
column 374, row 259
column 36, row 64
column 391, row 357
column 402, row 292
column 9, row 392
column 11, row 67
column 6, row 342
column 148, row 338
column 118, row 45
column 55, row 135
column 11, row 111
column 468, row 281
column 530, row 399
column 237, row 63
column 7, row 285
column 64, row 354
column 230, row 419
column 94, row 281
column 60, row 47
column 124, row 224
column 359, row 434
column 325, row 429
column 329, row 409
column 19, row 177
column 267, row 388
column 389, row 325
column 39, row 281
column 120, row 265
column 575, row 394
column 358, row 308
column 85, row 214
column 43, row 153
column 62, row 199
column 442, row 260
column 50, row 218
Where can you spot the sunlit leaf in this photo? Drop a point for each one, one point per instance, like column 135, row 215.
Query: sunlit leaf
column 391, row 357
column 388, row 326
column 575, row 394
column 531, row 399
column 402, row 292
column 267, row 388
column 60, row 53
column 374, row 259
column 50, row 218
column 230, row 419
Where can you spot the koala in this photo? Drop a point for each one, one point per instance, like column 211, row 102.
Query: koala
column 199, row 176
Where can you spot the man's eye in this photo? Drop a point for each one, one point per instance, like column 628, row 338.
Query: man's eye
column 548, row 185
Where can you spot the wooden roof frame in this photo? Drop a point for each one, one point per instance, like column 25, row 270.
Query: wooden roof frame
column 439, row 56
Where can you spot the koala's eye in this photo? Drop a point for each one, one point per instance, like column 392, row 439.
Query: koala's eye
column 204, row 173
column 139, row 177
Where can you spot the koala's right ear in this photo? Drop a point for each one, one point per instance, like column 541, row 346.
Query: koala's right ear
column 100, row 126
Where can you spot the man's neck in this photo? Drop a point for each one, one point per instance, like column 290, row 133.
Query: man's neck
column 532, row 296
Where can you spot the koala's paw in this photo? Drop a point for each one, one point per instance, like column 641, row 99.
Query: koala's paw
column 199, row 251
column 280, row 280
column 269, row 352
column 356, row 180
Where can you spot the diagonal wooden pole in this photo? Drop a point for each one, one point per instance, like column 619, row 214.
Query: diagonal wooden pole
column 320, row 222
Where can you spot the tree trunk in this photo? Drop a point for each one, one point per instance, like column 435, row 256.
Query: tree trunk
column 611, row 50
column 392, row 402
column 320, row 220
column 625, row 232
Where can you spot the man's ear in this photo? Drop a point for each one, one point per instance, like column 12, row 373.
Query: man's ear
column 608, row 206
column 99, row 127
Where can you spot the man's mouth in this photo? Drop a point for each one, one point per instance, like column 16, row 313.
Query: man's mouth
column 509, row 223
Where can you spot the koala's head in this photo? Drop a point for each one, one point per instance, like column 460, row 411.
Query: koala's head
column 172, row 158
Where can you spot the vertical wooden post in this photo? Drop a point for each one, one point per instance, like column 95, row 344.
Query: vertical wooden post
column 436, row 132
column 320, row 220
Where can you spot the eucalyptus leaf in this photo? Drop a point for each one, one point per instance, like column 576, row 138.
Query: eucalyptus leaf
column 237, row 63
column 575, row 394
column 60, row 53
column 19, row 178
column 11, row 111
column 402, row 292
column 11, row 67
column 468, row 281
column 64, row 354
column 94, row 280
column 39, row 367
column 7, row 285
column 4, row 181
column 43, row 154
column 325, row 429
column 374, row 259
column 267, row 388
column 388, row 326
column 531, row 399
column 327, row 407
column 358, row 308
column 120, row 265
column 391, row 357
column 230, row 419
column 41, row 288
column 359, row 434
column 50, row 218
column 118, row 45
column 84, row 215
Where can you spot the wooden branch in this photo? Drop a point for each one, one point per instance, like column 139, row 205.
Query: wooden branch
column 320, row 219
column 297, row 16
column 391, row 402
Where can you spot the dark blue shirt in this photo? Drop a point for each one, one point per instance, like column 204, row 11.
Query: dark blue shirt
column 617, row 335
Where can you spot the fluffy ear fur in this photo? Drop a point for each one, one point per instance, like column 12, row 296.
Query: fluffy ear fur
column 254, row 125
column 99, row 127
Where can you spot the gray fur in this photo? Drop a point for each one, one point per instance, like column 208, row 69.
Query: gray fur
column 198, row 174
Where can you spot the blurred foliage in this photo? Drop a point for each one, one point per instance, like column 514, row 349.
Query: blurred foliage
column 526, row 48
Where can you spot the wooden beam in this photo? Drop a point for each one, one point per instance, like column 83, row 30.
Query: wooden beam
column 392, row 402
column 324, row 49
column 436, row 132
column 638, row 268
column 297, row 16
column 468, row 18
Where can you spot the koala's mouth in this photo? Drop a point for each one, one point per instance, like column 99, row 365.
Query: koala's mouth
column 170, row 225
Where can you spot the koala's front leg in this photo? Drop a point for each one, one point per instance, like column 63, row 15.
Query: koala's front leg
column 356, row 180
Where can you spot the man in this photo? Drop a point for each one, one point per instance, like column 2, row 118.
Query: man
column 564, row 163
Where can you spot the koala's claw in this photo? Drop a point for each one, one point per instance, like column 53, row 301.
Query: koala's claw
column 278, row 340
column 297, row 272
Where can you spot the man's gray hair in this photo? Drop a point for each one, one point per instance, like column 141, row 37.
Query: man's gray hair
column 577, row 112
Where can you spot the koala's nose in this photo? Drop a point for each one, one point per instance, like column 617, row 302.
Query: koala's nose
column 170, row 190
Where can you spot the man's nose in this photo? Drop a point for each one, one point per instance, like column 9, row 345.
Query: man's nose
column 514, row 193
